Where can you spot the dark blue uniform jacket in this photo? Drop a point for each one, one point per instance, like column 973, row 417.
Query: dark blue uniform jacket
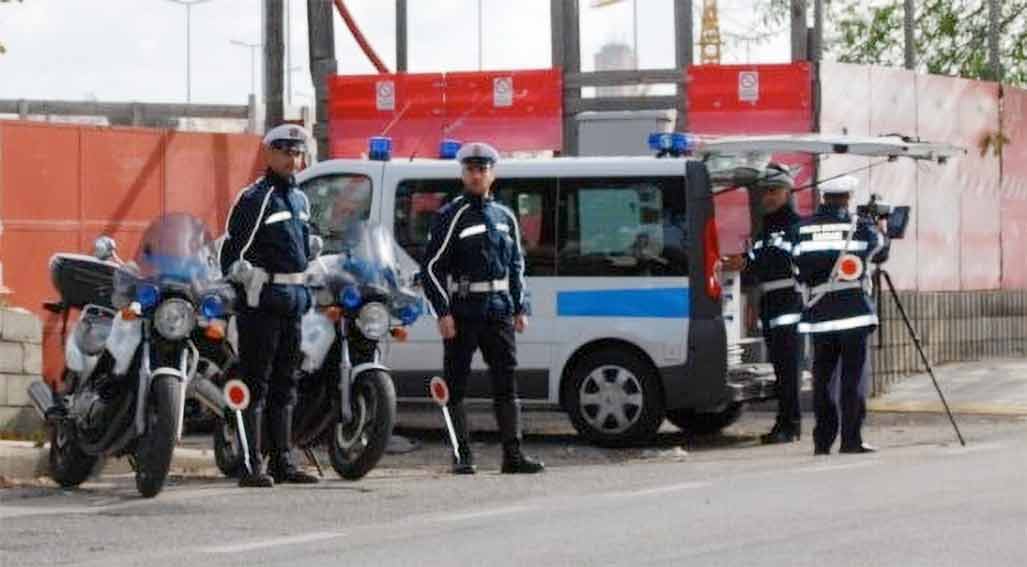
column 770, row 261
column 474, row 239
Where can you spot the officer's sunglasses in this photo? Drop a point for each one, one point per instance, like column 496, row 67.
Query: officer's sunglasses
column 291, row 151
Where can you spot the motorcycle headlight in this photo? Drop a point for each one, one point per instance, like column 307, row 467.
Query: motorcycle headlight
column 174, row 319
column 373, row 321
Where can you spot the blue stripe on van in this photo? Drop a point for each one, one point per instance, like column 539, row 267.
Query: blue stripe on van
column 667, row 303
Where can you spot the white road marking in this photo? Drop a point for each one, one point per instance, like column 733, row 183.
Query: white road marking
column 658, row 490
column 276, row 542
column 839, row 467
column 486, row 513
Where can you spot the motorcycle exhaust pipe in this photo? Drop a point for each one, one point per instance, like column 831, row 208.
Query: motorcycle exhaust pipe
column 41, row 397
column 209, row 395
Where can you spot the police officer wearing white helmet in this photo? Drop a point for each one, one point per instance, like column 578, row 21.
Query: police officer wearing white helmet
column 770, row 262
column 474, row 278
column 268, row 232
column 832, row 250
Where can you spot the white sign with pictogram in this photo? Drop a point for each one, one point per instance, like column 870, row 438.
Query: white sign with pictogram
column 749, row 86
column 502, row 92
column 385, row 95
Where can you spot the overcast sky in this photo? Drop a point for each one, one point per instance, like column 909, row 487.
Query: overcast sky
column 120, row 50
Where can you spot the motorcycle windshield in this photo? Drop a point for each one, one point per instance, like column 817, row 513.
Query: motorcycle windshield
column 368, row 255
column 177, row 247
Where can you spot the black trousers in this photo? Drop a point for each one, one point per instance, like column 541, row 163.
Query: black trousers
column 850, row 348
column 269, row 354
column 498, row 347
column 785, row 349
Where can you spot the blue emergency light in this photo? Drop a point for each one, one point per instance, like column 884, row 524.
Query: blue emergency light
column 147, row 295
column 350, row 297
column 212, row 306
column 672, row 143
column 380, row 148
column 448, row 148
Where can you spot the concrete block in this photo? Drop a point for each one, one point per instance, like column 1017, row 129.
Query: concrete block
column 22, row 421
column 20, row 325
column 33, row 361
column 16, row 388
column 12, row 358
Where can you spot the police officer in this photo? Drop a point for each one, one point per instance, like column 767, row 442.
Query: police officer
column 770, row 262
column 474, row 278
column 832, row 250
column 268, row 228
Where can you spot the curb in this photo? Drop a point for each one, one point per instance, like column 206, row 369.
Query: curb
column 23, row 460
column 982, row 409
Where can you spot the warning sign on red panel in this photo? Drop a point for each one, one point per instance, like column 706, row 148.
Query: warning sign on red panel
column 502, row 92
column 749, row 86
column 385, row 95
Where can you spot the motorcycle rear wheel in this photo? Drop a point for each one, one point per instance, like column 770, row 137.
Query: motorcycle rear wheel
column 70, row 466
column 356, row 448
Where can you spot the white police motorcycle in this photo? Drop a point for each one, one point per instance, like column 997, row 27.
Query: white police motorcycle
column 133, row 352
column 347, row 400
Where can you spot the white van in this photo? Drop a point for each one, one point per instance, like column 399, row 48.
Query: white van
column 628, row 323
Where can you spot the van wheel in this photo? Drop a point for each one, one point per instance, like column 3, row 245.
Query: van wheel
column 614, row 399
column 705, row 423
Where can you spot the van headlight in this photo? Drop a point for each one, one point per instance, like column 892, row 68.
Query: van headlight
column 175, row 319
column 373, row 321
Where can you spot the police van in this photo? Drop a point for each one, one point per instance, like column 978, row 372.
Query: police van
column 631, row 320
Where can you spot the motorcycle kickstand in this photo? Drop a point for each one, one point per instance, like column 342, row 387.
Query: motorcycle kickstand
column 313, row 460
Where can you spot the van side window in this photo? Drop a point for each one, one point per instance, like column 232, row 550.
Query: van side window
column 621, row 226
column 337, row 202
column 534, row 203
column 417, row 201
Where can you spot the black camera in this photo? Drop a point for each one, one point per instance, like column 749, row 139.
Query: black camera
column 877, row 208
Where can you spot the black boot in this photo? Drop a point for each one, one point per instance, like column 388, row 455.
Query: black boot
column 255, row 477
column 283, row 462
column 465, row 463
column 780, row 434
column 508, row 417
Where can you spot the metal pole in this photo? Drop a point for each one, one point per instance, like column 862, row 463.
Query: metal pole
column 401, row 36
column 188, row 53
column 288, row 55
column 799, row 30
column 634, row 32
column 253, row 70
column 910, row 23
column 818, row 30
column 994, row 59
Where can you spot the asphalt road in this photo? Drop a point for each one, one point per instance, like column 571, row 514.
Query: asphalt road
column 920, row 501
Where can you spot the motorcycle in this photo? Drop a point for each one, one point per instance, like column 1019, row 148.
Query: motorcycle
column 347, row 400
column 132, row 356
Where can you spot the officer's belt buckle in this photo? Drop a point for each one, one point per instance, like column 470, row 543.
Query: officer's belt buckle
column 297, row 278
column 464, row 287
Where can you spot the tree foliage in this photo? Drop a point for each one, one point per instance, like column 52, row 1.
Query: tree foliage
column 951, row 36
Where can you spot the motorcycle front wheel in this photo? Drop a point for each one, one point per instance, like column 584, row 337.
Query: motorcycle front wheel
column 157, row 445
column 355, row 448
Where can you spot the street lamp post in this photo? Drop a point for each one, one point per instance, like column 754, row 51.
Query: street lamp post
column 188, row 44
column 253, row 47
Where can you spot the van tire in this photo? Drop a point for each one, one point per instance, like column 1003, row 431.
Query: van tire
column 614, row 399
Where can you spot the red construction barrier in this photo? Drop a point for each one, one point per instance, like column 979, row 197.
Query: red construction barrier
column 62, row 186
column 751, row 99
column 513, row 110
column 1013, row 193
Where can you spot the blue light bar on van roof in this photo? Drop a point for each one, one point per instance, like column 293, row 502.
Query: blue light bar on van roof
column 672, row 143
column 448, row 148
column 380, row 148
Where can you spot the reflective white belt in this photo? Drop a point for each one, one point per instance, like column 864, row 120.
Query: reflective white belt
column 786, row 283
column 482, row 287
column 298, row 278
column 834, row 286
column 786, row 319
column 839, row 324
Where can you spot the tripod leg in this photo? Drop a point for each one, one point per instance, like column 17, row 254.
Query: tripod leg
column 923, row 355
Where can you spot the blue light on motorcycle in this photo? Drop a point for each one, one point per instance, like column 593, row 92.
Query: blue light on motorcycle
column 147, row 295
column 212, row 307
column 674, row 143
column 350, row 297
column 448, row 148
column 409, row 313
column 379, row 148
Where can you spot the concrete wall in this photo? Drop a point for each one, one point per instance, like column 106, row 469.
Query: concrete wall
column 952, row 326
column 21, row 362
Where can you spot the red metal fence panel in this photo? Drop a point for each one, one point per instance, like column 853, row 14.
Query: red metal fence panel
column 1014, row 189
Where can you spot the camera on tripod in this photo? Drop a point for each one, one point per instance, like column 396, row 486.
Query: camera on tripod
column 877, row 208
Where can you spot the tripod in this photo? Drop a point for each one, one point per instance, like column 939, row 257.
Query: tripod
column 879, row 274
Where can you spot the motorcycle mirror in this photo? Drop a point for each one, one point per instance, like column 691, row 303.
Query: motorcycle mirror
column 317, row 246
column 104, row 248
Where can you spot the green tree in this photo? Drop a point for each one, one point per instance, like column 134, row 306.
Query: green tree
column 951, row 36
